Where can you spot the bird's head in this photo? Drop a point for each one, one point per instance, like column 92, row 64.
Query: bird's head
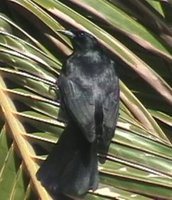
column 81, row 40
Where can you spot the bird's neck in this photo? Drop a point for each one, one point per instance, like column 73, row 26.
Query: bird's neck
column 90, row 56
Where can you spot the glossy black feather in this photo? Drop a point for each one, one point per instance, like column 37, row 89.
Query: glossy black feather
column 89, row 90
column 89, row 80
column 71, row 165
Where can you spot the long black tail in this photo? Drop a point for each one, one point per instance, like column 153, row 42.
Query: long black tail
column 71, row 168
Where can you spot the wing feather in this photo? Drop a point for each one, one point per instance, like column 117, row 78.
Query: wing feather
column 110, row 117
column 79, row 104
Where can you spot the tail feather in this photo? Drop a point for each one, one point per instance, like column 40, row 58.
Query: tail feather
column 71, row 168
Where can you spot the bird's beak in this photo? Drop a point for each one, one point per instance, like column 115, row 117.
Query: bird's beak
column 67, row 33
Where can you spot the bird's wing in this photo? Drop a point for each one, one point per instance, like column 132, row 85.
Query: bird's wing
column 79, row 104
column 110, row 117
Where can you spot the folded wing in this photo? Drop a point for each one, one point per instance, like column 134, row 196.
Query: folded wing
column 79, row 104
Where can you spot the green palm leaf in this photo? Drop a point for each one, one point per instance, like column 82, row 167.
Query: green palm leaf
column 138, row 36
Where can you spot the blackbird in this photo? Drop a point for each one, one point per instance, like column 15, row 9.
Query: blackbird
column 89, row 93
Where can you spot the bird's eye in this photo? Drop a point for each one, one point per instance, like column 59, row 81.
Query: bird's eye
column 81, row 34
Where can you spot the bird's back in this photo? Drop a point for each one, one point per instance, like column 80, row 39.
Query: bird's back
column 93, row 95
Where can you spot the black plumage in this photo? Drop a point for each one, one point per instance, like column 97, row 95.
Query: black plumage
column 89, row 90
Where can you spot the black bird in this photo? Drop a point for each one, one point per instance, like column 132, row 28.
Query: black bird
column 89, row 90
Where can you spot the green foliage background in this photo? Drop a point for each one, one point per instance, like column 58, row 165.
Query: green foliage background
column 138, row 35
